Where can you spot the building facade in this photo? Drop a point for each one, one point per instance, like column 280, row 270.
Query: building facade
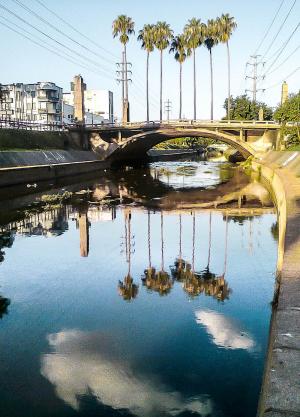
column 89, row 118
column 96, row 102
column 40, row 102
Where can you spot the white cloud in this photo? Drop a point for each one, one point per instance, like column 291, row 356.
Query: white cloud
column 85, row 362
column 225, row 333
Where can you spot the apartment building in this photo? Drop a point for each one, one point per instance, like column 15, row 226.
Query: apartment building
column 96, row 102
column 40, row 102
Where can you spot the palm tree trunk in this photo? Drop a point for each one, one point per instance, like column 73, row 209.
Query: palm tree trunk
column 126, row 76
column 149, row 240
column 226, row 247
column 180, row 92
column 209, row 241
column 211, row 87
column 195, row 100
column 147, row 86
column 162, row 240
column 229, row 93
column 161, row 81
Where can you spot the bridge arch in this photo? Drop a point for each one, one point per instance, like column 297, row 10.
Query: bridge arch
column 135, row 147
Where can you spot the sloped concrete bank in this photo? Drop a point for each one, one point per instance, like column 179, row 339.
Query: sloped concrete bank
column 33, row 166
column 280, row 394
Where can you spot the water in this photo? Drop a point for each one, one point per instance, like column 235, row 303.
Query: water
column 113, row 307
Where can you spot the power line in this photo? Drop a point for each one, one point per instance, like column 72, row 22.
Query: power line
column 61, row 32
column 49, row 49
column 32, row 12
column 285, row 60
column 43, row 43
column 86, row 37
column 282, row 48
column 75, row 29
column 268, row 29
column 284, row 79
column 280, row 29
column 53, row 39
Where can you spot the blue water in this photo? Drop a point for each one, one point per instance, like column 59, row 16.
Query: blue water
column 71, row 345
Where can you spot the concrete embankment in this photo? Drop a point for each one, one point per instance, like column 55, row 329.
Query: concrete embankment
column 33, row 166
column 280, row 396
column 171, row 154
column 32, row 139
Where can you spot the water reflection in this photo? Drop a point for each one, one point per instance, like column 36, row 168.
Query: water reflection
column 128, row 289
column 154, row 333
column 6, row 241
column 194, row 282
column 89, row 363
column 4, row 303
column 224, row 331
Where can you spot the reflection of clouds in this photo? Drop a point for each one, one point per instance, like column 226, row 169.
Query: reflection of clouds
column 224, row 331
column 84, row 363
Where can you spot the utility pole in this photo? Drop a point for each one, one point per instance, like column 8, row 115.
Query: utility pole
column 254, row 77
column 123, row 78
column 168, row 109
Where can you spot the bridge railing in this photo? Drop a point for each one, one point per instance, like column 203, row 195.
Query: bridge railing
column 188, row 123
column 31, row 125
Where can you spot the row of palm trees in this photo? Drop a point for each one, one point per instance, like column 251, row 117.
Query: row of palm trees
column 195, row 34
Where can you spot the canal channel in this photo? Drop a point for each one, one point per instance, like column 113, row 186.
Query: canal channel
column 136, row 292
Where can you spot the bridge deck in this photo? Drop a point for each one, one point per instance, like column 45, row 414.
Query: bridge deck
column 188, row 124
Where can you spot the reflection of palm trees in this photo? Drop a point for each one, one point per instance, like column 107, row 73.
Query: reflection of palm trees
column 4, row 303
column 206, row 282
column 128, row 289
column 150, row 271
column 161, row 281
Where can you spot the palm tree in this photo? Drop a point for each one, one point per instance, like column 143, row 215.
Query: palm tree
column 162, row 36
column 227, row 26
column 123, row 26
column 193, row 31
column 181, row 52
column 146, row 36
column 211, row 39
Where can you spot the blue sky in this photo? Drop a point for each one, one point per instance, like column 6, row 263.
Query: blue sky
column 25, row 62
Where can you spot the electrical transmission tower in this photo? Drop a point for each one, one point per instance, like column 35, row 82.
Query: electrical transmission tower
column 168, row 109
column 255, row 63
column 124, row 77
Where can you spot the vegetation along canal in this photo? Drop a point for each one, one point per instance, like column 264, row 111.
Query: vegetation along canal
column 141, row 292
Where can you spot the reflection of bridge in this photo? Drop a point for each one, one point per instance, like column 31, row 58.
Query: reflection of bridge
column 133, row 140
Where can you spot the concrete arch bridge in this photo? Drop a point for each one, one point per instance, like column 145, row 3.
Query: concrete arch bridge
column 130, row 142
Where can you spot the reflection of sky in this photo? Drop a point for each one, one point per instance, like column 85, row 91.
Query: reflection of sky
column 85, row 363
column 223, row 330
column 187, row 174
column 167, row 354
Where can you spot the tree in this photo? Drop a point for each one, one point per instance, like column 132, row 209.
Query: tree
column 211, row 39
column 181, row 52
column 242, row 108
column 227, row 25
column 123, row 26
column 289, row 111
column 146, row 36
column 194, row 32
column 162, row 36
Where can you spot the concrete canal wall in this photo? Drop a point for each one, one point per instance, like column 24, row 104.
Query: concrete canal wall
column 280, row 396
column 34, row 166
column 30, row 139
